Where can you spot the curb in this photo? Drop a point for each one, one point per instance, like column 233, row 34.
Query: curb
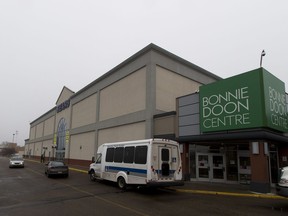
column 264, row 196
column 78, row 170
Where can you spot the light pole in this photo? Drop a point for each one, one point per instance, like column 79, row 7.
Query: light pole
column 262, row 54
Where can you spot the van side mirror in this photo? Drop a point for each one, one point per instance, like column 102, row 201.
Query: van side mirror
column 93, row 159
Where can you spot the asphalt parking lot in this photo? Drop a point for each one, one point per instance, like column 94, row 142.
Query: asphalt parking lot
column 27, row 191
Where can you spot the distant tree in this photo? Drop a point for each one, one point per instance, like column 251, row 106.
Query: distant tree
column 7, row 151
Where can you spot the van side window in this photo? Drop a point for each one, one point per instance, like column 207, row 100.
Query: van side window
column 141, row 155
column 129, row 154
column 118, row 156
column 109, row 155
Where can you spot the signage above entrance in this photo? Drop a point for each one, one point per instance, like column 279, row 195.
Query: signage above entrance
column 249, row 100
column 63, row 106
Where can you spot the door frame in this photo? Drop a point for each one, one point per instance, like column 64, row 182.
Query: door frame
column 210, row 167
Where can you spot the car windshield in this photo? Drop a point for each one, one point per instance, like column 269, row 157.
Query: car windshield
column 16, row 158
column 57, row 163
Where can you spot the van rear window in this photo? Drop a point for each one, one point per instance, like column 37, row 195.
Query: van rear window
column 165, row 154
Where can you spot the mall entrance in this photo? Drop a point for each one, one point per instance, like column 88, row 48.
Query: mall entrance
column 210, row 167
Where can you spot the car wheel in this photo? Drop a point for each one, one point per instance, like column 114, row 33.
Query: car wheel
column 92, row 175
column 121, row 183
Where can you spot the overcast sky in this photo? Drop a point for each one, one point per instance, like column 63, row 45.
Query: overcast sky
column 45, row 45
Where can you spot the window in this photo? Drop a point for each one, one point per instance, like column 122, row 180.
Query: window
column 109, row 155
column 98, row 160
column 165, row 154
column 118, row 156
column 141, row 155
column 129, row 154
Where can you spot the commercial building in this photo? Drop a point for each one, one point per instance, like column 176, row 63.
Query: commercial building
column 230, row 130
column 235, row 130
column 134, row 100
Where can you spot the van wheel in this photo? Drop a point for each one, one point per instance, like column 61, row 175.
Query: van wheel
column 121, row 183
column 92, row 175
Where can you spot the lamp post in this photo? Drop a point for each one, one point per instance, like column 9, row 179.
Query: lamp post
column 262, row 54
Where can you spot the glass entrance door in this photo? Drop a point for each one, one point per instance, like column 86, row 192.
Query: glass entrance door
column 210, row 167
column 203, row 167
column 218, row 167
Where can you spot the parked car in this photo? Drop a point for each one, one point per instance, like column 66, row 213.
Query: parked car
column 56, row 168
column 282, row 186
column 16, row 161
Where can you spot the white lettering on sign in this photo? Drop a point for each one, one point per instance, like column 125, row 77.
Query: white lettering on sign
column 278, row 108
column 230, row 108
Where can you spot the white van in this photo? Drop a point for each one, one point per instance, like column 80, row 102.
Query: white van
column 151, row 162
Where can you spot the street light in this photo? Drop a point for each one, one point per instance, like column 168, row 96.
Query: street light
column 262, row 54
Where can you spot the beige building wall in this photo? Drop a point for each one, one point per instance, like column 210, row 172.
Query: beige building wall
column 122, row 133
column 39, row 130
column 125, row 96
column 49, row 126
column 37, row 149
column 48, row 144
column 84, row 112
column 29, row 148
column 169, row 86
column 65, row 94
column 165, row 125
column 32, row 133
column 82, row 146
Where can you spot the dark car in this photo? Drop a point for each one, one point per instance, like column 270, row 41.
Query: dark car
column 16, row 161
column 282, row 186
column 56, row 168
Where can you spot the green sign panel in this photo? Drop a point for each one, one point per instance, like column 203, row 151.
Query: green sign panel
column 249, row 100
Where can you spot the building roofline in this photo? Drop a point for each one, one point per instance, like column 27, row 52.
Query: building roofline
column 146, row 49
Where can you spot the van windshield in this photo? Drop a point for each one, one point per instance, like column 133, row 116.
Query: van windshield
column 98, row 158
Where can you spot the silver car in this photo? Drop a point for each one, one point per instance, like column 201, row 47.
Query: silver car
column 16, row 161
column 282, row 186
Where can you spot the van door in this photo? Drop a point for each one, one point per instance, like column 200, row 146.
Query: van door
column 97, row 165
column 164, row 161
